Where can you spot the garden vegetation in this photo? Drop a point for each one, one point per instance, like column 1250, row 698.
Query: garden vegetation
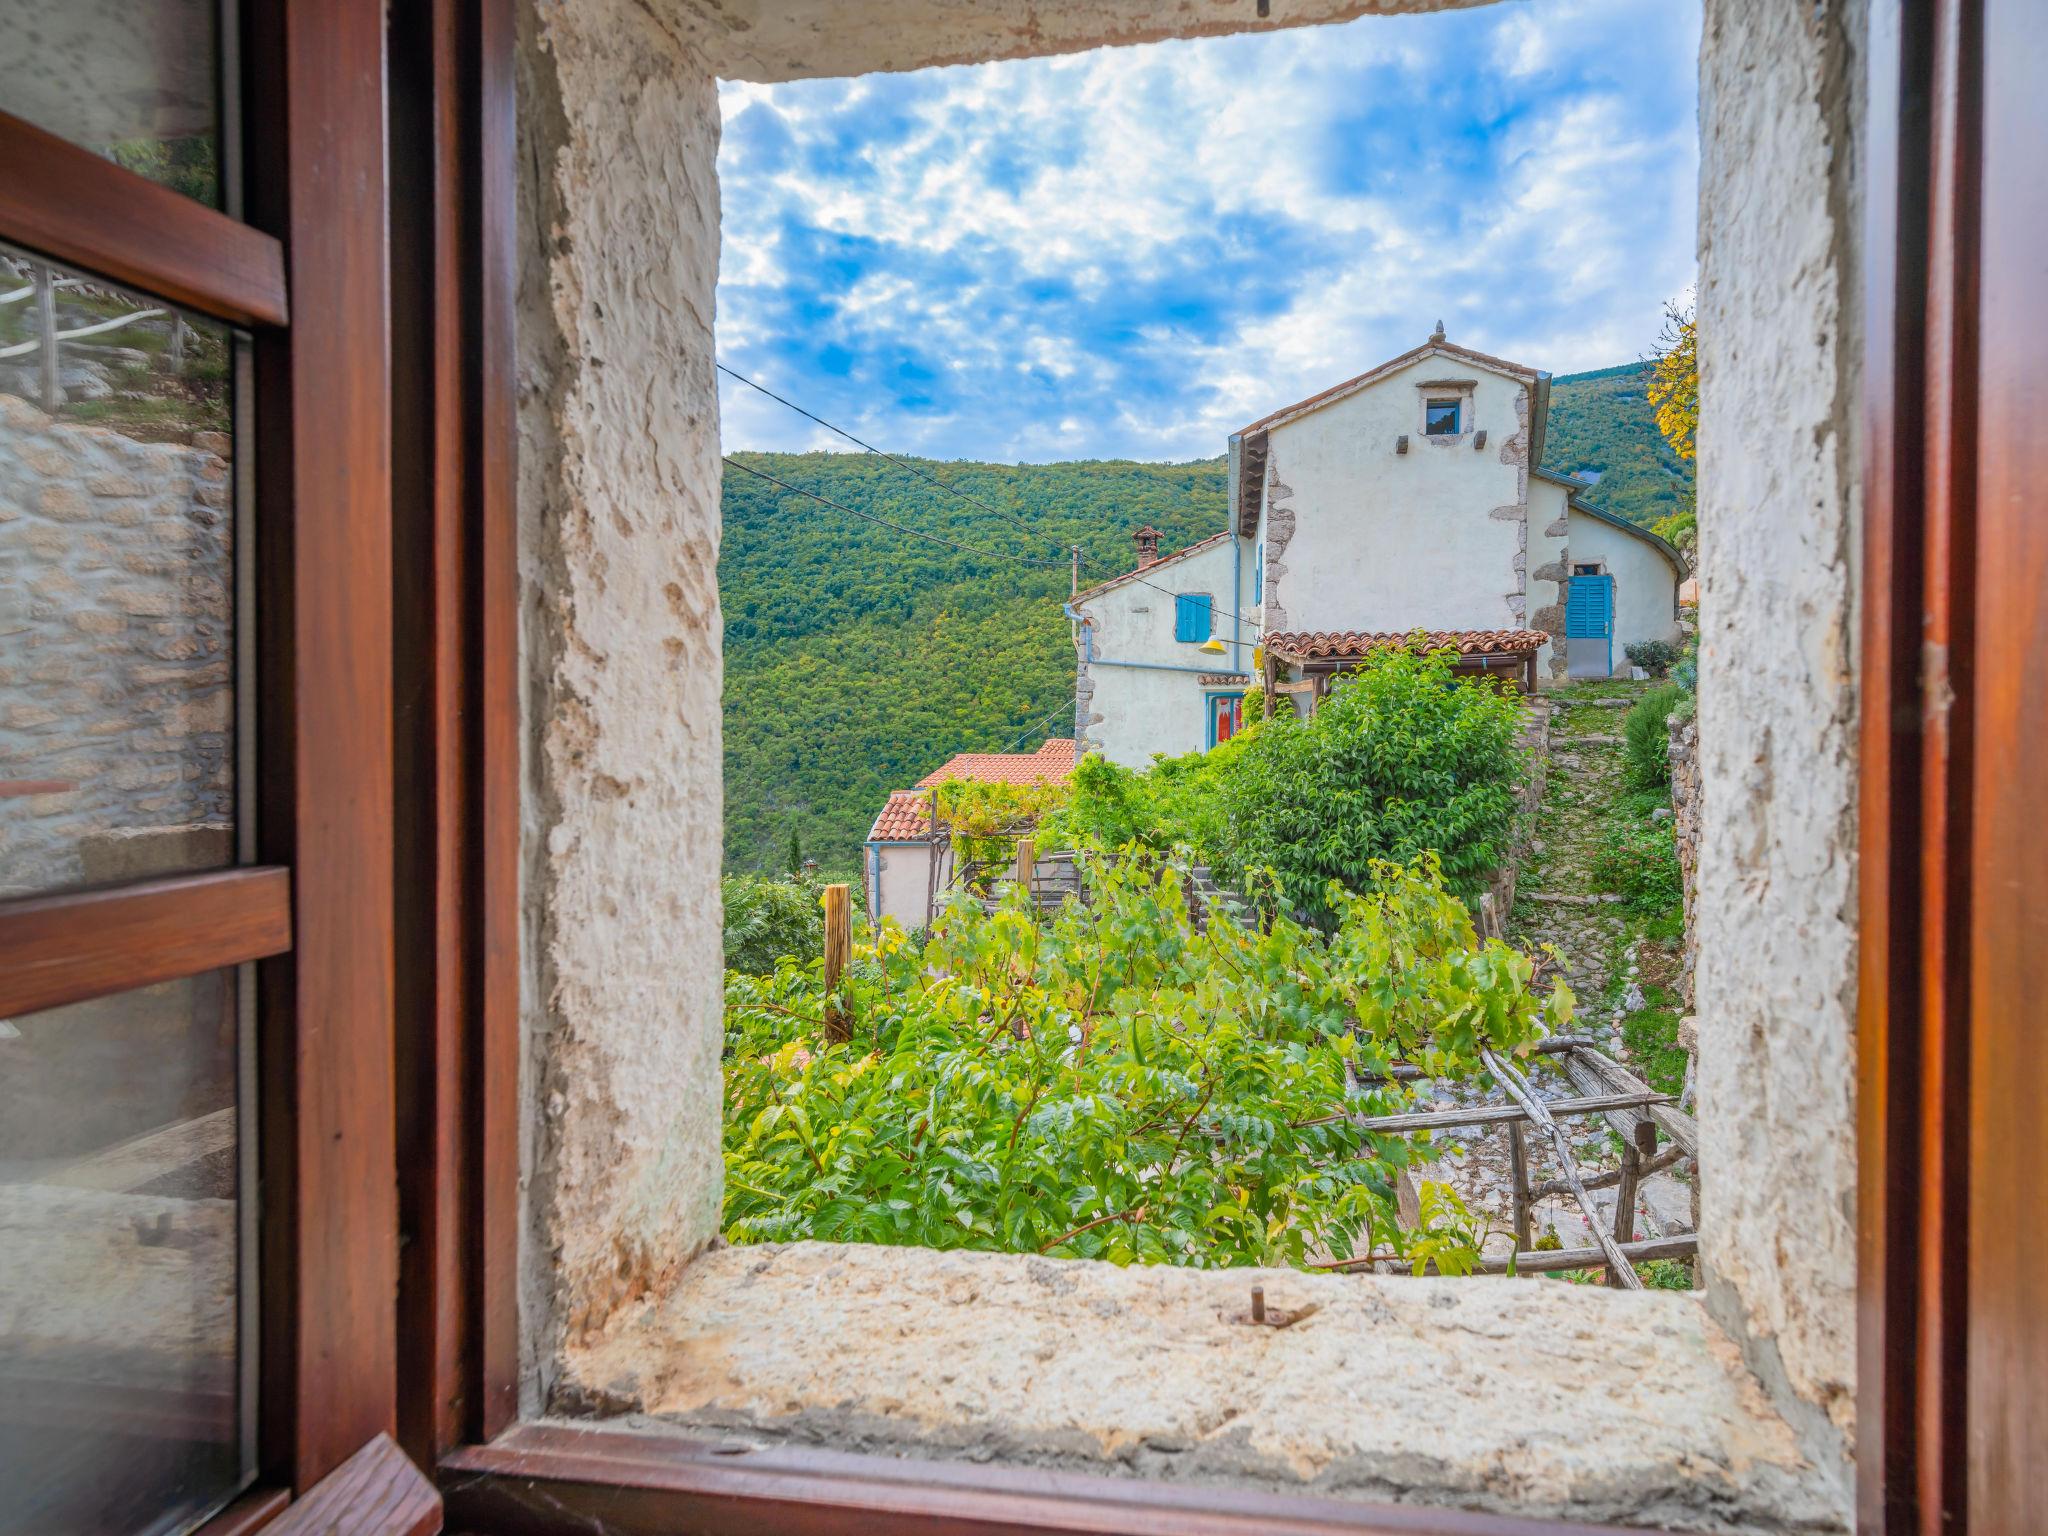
column 1116, row 1082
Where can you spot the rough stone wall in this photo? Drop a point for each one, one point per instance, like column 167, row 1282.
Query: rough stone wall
column 1519, row 1397
column 781, row 40
column 116, row 650
column 1779, row 380
column 1515, row 452
column 1279, row 532
column 619, row 521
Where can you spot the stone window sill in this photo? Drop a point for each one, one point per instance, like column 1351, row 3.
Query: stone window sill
column 1531, row 1397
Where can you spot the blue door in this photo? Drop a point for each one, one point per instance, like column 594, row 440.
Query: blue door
column 1589, row 626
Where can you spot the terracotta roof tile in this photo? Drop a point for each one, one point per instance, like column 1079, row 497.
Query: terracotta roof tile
column 1053, row 762
column 906, row 817
column 1317, row 645
column 1116, row 581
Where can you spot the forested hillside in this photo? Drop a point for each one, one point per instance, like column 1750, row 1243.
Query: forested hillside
column 1602, row 422
column 858, row 658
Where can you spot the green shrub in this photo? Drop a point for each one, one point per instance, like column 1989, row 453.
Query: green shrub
column 1401, row 759
column 1112, row 1083
column 1647, row 738
column 1638, row 860
column 1653, row 656
column 767, row 919
column 1177, row 801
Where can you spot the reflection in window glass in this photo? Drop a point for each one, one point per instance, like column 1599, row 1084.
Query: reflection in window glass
column 138, row 81
column 116, row 584
column 1440, row 418
column 118, row 1262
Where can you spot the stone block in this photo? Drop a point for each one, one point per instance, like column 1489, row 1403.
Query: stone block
column 117, row 485
column 67, row 503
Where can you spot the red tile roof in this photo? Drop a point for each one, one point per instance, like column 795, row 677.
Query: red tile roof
column 1318, row 645
column 1053, row 762
column 906, row 817
column 1116, row 581
column 907, row 814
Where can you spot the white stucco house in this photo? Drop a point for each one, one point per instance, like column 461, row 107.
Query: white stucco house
column 1411, row 497
column 906, row 858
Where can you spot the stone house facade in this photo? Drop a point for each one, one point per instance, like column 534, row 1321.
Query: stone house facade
column 1411, row 497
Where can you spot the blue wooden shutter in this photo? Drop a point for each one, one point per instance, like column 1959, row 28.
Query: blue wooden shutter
column 1191, row 617
column 1258, row 575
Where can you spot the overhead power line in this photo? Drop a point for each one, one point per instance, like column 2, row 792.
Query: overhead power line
column 1032, row 729
column 733, row 373
column 915, row 533
column 951, row 490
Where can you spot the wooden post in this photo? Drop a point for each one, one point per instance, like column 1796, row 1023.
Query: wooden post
column 838, row 950
column 46, row 329
column 1027, row 864
column 1625, row 1201
column 1518, row 1166
column 1518, row 1089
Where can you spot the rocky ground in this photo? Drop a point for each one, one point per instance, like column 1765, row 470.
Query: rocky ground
column 1609, row 958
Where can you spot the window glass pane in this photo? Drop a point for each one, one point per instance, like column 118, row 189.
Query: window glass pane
column 1442, row 417
column 138, row 81
column 119, row 1261
column 116, row 584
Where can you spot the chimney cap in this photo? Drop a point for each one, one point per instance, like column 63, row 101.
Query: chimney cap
column 1147, row 540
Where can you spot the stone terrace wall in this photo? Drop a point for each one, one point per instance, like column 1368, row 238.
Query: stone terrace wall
column 116, row 651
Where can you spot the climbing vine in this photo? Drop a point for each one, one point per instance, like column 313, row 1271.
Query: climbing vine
column 1115, row 1081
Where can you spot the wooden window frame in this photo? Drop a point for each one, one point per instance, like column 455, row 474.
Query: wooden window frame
column 454, row 224
column 306, row 276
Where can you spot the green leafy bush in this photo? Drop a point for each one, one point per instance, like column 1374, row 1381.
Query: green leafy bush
column 1639, row 861
column 1112, row 1083
column 1646, row 738
column 1400, row 759
column 1653, row 656
column 767, row 919
column 1178, row 801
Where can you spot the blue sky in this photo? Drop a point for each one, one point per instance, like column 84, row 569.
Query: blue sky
column 1129, row 253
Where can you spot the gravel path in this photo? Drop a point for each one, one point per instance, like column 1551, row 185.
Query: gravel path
column 1559, row 905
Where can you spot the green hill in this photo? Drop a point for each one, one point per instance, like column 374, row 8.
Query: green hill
column 858, row 658
column 1601, row 422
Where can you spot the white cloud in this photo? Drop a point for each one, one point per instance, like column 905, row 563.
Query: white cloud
column 1136, row 250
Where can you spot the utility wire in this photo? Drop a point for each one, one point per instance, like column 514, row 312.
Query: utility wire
column 952, row 490
column 733, row 373
column 1031, row 730
column 915, row 533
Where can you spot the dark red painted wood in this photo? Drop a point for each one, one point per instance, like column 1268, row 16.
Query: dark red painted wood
column 316, row 159
column 79, row 208
column 375, row 1492
column 541, row 1480
column 81, row 944
column 1888, row 1204
column 495, row 1121
column 433, row 640
column 1947, row 607
column 249, row 1514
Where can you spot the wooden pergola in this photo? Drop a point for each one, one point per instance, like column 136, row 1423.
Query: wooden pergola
column 1633, row 1110
column 1317, row 658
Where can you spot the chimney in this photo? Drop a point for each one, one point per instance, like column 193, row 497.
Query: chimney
column 1147, row 540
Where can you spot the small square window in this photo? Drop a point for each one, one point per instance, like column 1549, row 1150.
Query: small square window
column 1440, row 418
